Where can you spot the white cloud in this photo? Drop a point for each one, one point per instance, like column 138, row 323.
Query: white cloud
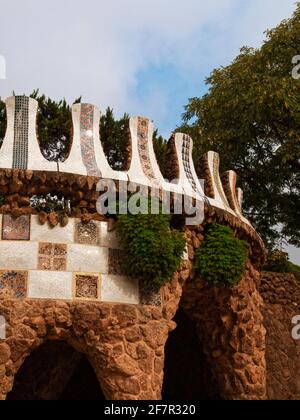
column 97, row 48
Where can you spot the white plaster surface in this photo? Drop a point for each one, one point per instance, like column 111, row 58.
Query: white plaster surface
column 49, row 285
column 119, row 289
column 87, row 259
column 18, row 255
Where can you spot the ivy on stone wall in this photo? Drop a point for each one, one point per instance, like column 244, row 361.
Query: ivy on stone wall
column 154, row 250
column 221, row 260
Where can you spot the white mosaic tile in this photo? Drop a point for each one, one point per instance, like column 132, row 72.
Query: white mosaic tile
column 87, row 259
column 44, row 233
column 50, row 285
column 119, row 289
column 18, row 255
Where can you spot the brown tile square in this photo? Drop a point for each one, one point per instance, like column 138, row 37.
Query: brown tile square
column 15, row 229
column 116, row 258
column 45, row 249
column 60, row 249
column 59, row 264
column 44, row 263
column 86, row 233
column 13, row 284
column 87, row 286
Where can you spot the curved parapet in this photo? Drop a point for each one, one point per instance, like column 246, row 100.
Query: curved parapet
column 144, row 168
column 229, row 180
column 20, row 149
column 87, row 156
column 210, row 171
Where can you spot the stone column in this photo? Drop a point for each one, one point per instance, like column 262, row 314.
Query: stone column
column 230, row 327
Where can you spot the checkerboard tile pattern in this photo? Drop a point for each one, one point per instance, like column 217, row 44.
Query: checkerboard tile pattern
column 52, row 257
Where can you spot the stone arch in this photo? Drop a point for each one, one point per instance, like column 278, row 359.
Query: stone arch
column 123, row 343
column 55, row 371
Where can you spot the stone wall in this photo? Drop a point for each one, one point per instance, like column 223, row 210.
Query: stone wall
column 281, row 294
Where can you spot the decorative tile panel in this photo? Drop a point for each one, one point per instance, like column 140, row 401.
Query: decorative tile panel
column 20, row 148
column 86, row 233
column 186, row 148
column 52, row 257
column 13, row 284
column 87, row 140
column 87, row 286
column 15, row 229
column 143, row 148
column 116, row 259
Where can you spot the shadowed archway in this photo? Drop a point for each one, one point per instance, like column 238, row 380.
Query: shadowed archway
column 187, row 372
column 55, row 371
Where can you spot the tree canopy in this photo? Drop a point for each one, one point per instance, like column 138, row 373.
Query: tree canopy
column 251, row 116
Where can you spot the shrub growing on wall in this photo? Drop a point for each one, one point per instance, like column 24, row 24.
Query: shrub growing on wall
column 154, row 250
column 222, row 258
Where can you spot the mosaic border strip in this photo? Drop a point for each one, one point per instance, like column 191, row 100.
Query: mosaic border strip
column 143, row 148
column 21, row 132
column 87, row 140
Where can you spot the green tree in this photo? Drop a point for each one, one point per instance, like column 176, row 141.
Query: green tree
column 251, row 116
column 114, row 136
column 2, row 121
column 54, row 126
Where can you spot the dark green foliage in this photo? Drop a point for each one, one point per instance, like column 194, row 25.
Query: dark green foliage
column 2, row 121
column 54, row 127
column 222, row 257
column 160, row 146
column 278, row 262
column 2, row 200
column 114, row 136
column 154, row 251
column 251, row 116
column 294, row 269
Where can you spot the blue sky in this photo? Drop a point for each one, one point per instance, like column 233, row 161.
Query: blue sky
column 144, row 57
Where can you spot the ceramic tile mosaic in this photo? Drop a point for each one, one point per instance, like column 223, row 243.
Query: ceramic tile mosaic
column 87, row 286
column 86, row 233
column 116, row 259
column 143, row 148
column 186, row 147
column 21, row 130
column 52, row 257
column 13, row 284
column 15, row 229
column 216, row 175
column 49, row 285
column 150, row 295
column 87, row 140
